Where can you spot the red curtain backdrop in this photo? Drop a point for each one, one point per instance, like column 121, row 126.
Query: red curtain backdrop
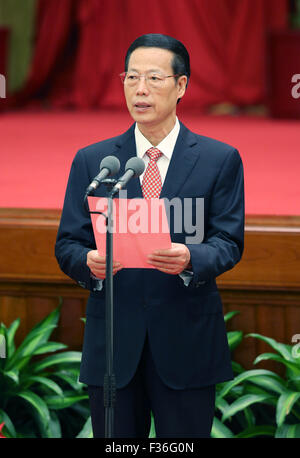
column 80, row 48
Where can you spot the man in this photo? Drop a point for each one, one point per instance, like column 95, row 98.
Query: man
column 170, row 346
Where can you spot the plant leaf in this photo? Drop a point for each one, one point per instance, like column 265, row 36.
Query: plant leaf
column 50, row 347
column 234, row 339
column 285, row 404
column 294, row 367
column 249, row 417
column 69, row 379
column 267, row 356
column 294, row 382
column 38, row 335
column 256, row 431
column 62, row 402
column 288, row 431
column 152, row 432
column 221, row 404
column 26, row 350
column 3, row 330
column 248, row 375
column 67, row 357
column 270, row 383
column 8, row 423
column 284, row 350
column 230, row 315
column 40, row 408
column 242, row 403
column 54, row 425
column 44, row 381
column 219, row 430
column 87, row 431
column 12, row 375
column 249, row 388
column 46, row 326
column 236, row 367
column 11, row 331
column 49, row 320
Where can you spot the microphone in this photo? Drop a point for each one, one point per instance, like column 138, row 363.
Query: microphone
column 134, row 167
column 110, row 165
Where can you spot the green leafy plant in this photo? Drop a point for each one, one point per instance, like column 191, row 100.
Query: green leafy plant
column 259, row 402
column 295, row 15
column 40, row 395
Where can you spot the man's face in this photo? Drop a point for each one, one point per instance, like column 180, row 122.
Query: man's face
column 153, row 107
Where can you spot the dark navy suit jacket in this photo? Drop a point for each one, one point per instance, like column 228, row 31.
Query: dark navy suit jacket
column 185, row 325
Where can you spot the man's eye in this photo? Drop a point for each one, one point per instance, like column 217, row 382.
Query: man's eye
column 132, row 77
column 155, row 78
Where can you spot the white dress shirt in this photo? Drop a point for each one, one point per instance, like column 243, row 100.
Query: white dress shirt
column 166, row 146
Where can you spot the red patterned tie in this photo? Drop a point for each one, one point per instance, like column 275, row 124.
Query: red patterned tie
column 152, row 184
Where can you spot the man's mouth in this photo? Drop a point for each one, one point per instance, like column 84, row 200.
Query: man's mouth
column 142, row 106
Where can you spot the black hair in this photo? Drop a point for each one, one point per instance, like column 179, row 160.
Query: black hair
column 181, row 60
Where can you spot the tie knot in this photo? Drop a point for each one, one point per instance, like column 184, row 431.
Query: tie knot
column 154, row 154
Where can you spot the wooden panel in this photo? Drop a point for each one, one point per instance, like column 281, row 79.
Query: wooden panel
column 32, row 303
column 27, row 239
column 245, row 321
column 275, row 314
column 271, row 257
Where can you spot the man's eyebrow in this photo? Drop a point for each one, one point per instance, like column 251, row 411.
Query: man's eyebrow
column 156, row 70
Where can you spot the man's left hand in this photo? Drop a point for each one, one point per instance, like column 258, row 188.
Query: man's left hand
column 172, row 261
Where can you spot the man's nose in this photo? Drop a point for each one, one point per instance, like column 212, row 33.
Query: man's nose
column 142, row 87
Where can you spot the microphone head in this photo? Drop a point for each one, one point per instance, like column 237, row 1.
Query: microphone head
column 111, row 163
column 136, row 164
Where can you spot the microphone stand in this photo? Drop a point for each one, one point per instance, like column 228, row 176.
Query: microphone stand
column 109, row 386
column 134, row 167
column 109, row 383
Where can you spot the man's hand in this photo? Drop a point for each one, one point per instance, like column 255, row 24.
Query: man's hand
column 172, row 261
column 97, row 264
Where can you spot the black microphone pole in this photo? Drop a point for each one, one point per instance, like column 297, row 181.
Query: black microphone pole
column 109, row 388
column 110, row 165
column 134, row 167
column 109, row 382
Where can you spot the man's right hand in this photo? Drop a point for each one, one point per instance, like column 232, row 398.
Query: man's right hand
column 97, row 264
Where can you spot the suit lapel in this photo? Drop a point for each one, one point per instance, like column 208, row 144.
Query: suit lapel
column 125, row 149
column 182, row 162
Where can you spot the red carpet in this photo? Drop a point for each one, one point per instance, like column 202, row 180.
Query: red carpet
column 37, row 150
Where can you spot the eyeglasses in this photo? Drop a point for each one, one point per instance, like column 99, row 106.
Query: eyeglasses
column 154, row 80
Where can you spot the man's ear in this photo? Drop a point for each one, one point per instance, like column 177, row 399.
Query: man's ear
column 181, row 83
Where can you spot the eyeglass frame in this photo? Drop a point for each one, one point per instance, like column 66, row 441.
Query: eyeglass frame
column 123, row 75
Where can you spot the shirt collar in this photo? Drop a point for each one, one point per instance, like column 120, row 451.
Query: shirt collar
column 166, row 146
